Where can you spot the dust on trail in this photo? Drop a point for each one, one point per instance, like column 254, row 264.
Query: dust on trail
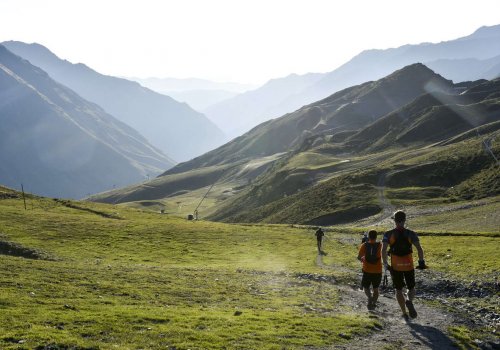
column 427, row 331
column 338, row 268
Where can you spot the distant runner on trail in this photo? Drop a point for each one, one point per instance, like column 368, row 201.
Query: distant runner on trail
column 370, row 254
column 319, row 238
column 400, row 240
column 365, row 238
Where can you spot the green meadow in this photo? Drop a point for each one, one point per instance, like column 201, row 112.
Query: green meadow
column 114, row 277
column 143, row 280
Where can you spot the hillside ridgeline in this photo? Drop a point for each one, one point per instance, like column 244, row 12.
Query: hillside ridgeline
column 58, row 144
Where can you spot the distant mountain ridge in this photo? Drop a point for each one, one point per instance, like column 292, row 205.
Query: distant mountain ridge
column 483, row 44
column 201, row 99
column 467, row 69
column 242, row 112
column 252, row 108
column 58, row 144
column 197, row 93
column 173, row 127
column 190, row 84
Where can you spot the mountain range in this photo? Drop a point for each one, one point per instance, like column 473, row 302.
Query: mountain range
column 473, row 57
column 197, row 93
column 344, row 111
column 60, row 145
column 62, row 142
column 324, row 163
column 173, row 127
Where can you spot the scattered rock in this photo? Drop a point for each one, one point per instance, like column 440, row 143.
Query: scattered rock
column 70, row 307
column 460, row 296
column 317, row 278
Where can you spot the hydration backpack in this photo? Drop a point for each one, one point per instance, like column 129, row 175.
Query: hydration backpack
column 402, row 246
column 371, row 250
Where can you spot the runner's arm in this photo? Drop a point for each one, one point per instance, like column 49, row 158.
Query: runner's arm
column 361, row 252
column 420, row 251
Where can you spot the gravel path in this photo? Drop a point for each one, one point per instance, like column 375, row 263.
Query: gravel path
column 427, row 331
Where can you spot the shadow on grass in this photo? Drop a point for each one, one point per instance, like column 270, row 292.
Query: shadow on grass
column 431, row 337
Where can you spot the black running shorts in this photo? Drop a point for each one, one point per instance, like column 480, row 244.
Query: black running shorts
column 400, row 277
column 371, row 279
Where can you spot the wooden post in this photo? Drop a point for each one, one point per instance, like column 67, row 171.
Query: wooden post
column 24, row 199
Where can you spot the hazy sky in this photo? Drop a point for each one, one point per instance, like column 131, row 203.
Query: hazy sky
column 248, row 41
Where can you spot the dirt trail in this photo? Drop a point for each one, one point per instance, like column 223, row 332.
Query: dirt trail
column 430, row 329
column 383, row 218
column 427, row 331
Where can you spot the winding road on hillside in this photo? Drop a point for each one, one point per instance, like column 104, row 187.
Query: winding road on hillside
column 384, row 217
column 387, row 207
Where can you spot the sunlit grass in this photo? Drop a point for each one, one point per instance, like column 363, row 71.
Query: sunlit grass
column 473, row 218
column 126, row 278
column 148, row 280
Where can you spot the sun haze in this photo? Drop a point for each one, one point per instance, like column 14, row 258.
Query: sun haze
column 223, row 40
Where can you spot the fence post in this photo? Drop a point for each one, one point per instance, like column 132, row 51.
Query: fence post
column 24, row 199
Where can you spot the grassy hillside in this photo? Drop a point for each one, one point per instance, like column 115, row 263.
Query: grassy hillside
column 314, row 186
column 164, row 186
column 322, row 184
column 141, row 280
column 330, row 162
column 280, row 200
column 194, row 183
column 111, row 277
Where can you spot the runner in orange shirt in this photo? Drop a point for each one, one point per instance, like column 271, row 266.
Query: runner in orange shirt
column 400, row 241
column 370, row 254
